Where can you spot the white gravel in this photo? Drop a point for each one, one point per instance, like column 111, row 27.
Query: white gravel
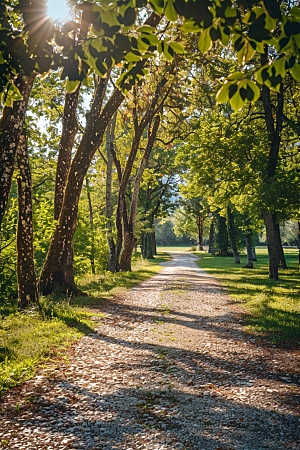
column 171, row 366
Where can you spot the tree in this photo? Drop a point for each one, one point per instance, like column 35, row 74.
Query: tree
column 27, row 284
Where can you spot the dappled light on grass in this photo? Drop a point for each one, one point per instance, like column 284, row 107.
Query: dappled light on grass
column 108, row 284
column 274, row 305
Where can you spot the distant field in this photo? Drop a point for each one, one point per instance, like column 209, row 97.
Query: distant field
column 274, row 306
column 172, row 249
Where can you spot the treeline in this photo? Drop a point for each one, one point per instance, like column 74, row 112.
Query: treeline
column 134, row 114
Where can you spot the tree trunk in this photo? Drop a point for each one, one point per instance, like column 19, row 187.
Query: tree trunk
column 113, row 255
column 279, row 245
column 222, row 237
column 211, row 242
column 11, row 125
column 272, row 236
column 27, row 284
column 200, row 231
column 92, row 255
column 58, row 268
column 248, row 234
column 130, row 226
column 299, row 240
column 254, row 258
column 69, row 131
column 231, row 233
column 154, row 250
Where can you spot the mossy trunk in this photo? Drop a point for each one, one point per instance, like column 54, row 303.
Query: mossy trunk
column 58, row 271
column 11, row 126
column 27, row 283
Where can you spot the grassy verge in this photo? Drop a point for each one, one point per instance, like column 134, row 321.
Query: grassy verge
column 28, row 338
column 274, row 306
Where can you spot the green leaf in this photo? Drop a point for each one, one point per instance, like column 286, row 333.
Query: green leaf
column 236, row 101
column 295, row 71
column 170, row 12
column 71, row 86
column 189, row 26
column 205, row 41
column 235, row 76
column 176, row 47
column 223, row 94
column 157, row 5
column 132, row 57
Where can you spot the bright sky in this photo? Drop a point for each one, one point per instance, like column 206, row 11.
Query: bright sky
column 57, row 10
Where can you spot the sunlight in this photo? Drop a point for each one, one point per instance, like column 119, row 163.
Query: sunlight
column 57, row 10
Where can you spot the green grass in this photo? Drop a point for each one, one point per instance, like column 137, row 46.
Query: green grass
column 172, row 249
column 274, row 306
column 27, row 339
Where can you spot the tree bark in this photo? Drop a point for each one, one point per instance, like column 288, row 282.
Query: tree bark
column 232, row 235
column 154, row 249
column 113, row 249
column 222, row 237
column 68, row 135
column 58, row 269
column 11, row 125
column 249, row 249
column 299, row 240
column 211, row 242
column 27, row 284
column 92, row 255
column 272, row 237
column 274, row 129
column 279, row 245
column 200, row 231
column 254, row 258
column 129, row 225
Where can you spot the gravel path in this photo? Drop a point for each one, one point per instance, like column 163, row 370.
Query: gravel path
column 169, row 367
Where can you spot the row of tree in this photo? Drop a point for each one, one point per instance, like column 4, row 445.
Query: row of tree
column 126, row 66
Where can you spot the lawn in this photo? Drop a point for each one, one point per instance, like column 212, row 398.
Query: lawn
column 172, row 249
column 31, row 337
column 274, row 306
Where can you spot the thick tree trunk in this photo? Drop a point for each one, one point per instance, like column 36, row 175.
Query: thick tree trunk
column 211, row 241
column 254, row 258
column 248, row 234
column 11, row 125
column 279, row 245
column 113, row 255
column 92, row 255
column 200, row 231
column 222, row 237
column 232, row 235
column 27, row 284
column 57, row 271
column 129, row 227
column 69, row 131
column 299, row 240
column 58, row 268
column 272, row 237
column 154, row 249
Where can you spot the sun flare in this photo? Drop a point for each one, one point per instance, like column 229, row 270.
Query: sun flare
column 58, row 10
